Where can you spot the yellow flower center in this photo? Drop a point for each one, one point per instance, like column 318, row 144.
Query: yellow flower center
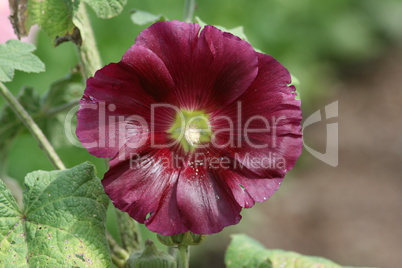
column 191, row 129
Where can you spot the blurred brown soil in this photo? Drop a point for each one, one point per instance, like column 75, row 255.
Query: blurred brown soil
column 351, row 213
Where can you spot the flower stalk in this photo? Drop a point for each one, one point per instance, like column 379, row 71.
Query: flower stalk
column 189, row 8
column 184, row 255
column 119, row 255
column 36, row 132
column 129, row 231
column 63, row 107
column 87, row 51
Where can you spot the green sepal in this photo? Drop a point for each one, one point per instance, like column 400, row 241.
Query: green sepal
column 150, row 257
column 140, row 17
column 238, row 31
column 183, row 239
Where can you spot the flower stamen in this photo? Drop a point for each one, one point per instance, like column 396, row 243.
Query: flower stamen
column 190, row 129
column 192, row 135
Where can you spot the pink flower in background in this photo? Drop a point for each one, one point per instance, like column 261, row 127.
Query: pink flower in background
column 197, row 125
column 6, row 29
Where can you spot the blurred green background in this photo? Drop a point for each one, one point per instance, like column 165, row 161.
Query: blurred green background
column 346, row 50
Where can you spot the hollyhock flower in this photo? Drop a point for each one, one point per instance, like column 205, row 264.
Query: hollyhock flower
column 197, row 124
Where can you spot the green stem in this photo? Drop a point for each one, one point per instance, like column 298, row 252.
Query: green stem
column 172, row 251
column 3, row 159
column 36, row 132
column 184, row 255
column 119, row 255
column 88, row 51
column 189, row 8
column 129, row 231
column 62, row 107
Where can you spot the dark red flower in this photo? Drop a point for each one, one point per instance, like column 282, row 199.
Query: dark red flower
column 197, row 125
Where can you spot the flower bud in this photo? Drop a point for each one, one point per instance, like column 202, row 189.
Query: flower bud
column 183, row 239
column 150, row 257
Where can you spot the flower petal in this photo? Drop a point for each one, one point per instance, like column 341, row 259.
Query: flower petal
column 205, row 201
column 248, row 190
column 105, row 119
column 167, row 219
column 209, row 68
column 267, row 117
column 144, row 186
column 152, row 73
column 233, row 68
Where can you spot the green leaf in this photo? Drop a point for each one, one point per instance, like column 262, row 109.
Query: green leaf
column 296, row 83
column 61, row 225
column 10, row 124
column 106, row 8
column 16, row 55
column 63, row 91
column 238, row 31
column 53, row 16
column 140, row 17
column 245, row 252
column 49, row 112
column 62, row 96
column 58, row 17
